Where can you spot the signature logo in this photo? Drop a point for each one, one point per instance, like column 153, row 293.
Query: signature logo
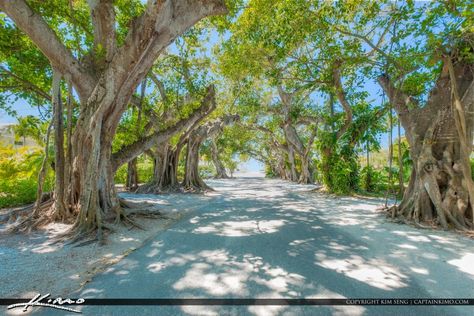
column 49, row 302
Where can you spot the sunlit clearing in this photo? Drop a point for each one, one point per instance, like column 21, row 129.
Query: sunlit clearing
column 374, row 272
column 465, row 264
column 240, row 228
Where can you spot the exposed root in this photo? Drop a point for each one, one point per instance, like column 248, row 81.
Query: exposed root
column 196, row 189
column 30, row 218
column 130, row 209
column 156, row 188
column 410, row 217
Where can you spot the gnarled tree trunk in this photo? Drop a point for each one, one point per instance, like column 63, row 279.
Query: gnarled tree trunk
column 221, row 173
column 306, row 176
column 165, row 170
column 303, row 151
column 192, row 180
column 105, row 88
column 165, row 178
column 293, row 140
column 132, row 175
column 438, row 190
column 293, row 176
column 169, row 178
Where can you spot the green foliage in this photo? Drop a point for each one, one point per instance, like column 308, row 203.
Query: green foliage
column 206, row 171
column 144, row 168
column 472, row 168
column 371, row 180
column 338, row 165
column 18, row 175
column 269, row 172
column 30, row 126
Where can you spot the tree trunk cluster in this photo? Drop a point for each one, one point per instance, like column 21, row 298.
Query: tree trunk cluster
column 105, row 86
column 440, row 135
column 221, row 172
column 167, row 159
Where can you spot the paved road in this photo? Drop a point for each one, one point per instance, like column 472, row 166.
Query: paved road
column 256, row 238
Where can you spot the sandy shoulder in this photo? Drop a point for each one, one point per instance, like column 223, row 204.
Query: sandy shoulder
column 33, row 263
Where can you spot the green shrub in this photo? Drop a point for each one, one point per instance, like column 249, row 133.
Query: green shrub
column 206, row 171
column 121, row 175
column 371, row 180
column 472, row 168
column 19, row 170
column 145, row 172
column 17, row 192
column 340, row 173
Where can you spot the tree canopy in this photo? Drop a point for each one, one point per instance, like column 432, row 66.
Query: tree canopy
column 306, row 87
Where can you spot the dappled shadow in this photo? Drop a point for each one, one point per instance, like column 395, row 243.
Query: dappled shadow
column 270, row 239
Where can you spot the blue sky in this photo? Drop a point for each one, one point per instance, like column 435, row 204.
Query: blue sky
column 374, row 90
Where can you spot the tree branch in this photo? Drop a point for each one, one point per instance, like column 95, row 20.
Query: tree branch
column 103, row 21
column 398, row 99
column 148, row 36
column 47, row 41
column 341, row 96
column 27, row 85
column 306, row 120
column 129, row 152
column 372, row 45
column 161, row 87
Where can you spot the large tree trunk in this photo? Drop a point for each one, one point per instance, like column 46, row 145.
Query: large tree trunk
column 438, row 191
column 192, row 180
column 294, row 142
column 166, row 158
column 132, row 175
column 169, row 178
column 293, row 176
column 220, row 169
column 283, row 172
column 105, row 88
column 305, row 177
column 60, row 211
column 93, row 192
column 165, row 171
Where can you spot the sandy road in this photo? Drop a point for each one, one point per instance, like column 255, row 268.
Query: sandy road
column 256, row 238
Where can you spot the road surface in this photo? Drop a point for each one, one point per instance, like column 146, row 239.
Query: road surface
column 259, row 238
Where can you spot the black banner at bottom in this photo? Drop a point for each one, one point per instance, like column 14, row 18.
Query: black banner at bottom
column 259, row 301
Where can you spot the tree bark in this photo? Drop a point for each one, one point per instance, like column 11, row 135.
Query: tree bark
column 220, row 169
column 293, row 176
column 192, row 180
column 401, row 184
column 294, row 141
column 60, row 211
column 162, row 136
column 105, row 89
column 305, row 177
column 132, row 175
column 438, row 191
